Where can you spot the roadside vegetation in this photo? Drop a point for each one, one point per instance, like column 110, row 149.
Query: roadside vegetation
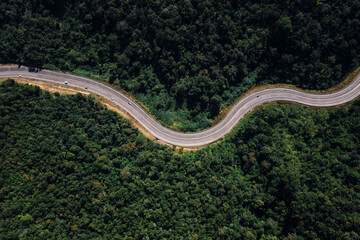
column 70, row 168
column 186, row 60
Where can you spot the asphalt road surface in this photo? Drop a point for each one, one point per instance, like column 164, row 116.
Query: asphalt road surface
column 205, row 137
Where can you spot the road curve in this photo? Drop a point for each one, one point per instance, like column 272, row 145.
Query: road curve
column 207, row 136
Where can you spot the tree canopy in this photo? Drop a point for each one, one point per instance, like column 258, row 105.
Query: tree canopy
column 186, row 59
column 71, row 168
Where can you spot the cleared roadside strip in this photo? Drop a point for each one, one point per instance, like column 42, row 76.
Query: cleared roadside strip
column 242, row 107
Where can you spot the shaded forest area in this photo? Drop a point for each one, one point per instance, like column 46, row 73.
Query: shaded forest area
column 186, row 59
column 70, row 168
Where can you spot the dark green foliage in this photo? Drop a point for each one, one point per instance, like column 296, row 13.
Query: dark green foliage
column 187, row 58
column 306, row 164
column 70, row 168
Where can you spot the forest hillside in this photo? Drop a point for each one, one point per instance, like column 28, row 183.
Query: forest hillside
column 71, row 169
column 186, row 59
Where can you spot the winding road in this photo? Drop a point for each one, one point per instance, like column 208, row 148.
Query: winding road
column 205, row 137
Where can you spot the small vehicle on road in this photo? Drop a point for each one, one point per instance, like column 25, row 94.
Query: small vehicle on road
column 129, row 102
column 65, row 82
column 86, row 87
column 112, row 99
column 19, row 75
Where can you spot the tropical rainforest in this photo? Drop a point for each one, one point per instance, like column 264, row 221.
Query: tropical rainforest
column 72, row 169
column 185, row 59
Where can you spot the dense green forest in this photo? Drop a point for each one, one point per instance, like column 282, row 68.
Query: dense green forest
column 186, row 59
column 71, row 169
